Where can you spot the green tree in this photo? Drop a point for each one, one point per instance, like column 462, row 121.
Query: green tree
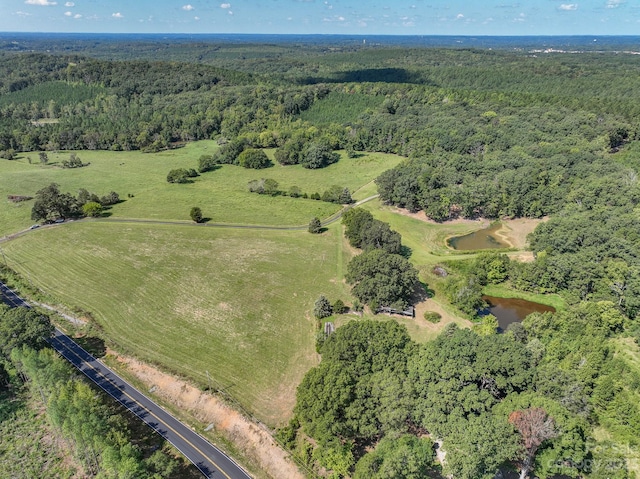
column 44, row 158
column 461, row 375
column 359, row 390
column 196, row 214
column 207, row 163
column 51, row 204
column 23, row 327
column 112, row 198
column 406, row 457
column 92, row 209
column 363, row 231
column 254, row 158
column 479, row 446
column 315, row 226
column 322, row 308
column 318, row 154
column 339, row 307
column 381, row 279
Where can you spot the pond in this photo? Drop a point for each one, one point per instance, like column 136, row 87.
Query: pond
column 512, row 310
column 486, row 238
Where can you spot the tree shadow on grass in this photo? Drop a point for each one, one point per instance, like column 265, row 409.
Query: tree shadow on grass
column 421, row 292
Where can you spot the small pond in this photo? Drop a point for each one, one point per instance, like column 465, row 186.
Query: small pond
column 512, row 310
column 482, row 239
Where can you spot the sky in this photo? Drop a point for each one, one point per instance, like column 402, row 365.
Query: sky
column 359, row 17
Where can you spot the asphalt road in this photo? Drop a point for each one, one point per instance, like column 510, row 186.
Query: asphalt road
column 212, row 462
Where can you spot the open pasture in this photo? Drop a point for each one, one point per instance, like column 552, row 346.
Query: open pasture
column 235, row 303
column 222, row 194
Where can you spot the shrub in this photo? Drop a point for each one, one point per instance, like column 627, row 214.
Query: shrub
column 179, row 175
column 315, row 226
column 432, row 316
column 196, row 214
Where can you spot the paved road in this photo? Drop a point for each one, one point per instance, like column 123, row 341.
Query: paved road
column 207, row 458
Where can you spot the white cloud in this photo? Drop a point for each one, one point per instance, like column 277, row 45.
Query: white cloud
column 117, row 15
column 459, row 16
column 23, row 14
column 230, row 12
column 77, row 15
column 67, row 14
column 568, row 7
column 69, row 4
column 188, row 7
column 44, row 3
column 614, row 3
column 225, row 5
column 196, row 18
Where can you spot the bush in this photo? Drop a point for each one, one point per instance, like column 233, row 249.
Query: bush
column 432, row 316
column 196, row 214
column 264, row 186
column 179, row 175
column 315, row 226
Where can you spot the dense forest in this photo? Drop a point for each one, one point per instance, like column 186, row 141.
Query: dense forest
column 484, row 133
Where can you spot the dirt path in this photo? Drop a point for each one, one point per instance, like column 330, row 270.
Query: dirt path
column 515, row 232
column 255, row 442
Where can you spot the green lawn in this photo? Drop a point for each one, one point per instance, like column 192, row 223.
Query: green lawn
column 222, row 194
column 236, row 303
column 427, row 240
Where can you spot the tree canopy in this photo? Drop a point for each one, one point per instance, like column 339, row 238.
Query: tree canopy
column 382, row 279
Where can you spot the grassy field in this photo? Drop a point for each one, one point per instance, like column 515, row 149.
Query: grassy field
column 222, row 194
column 232, row 302
column 427, row 240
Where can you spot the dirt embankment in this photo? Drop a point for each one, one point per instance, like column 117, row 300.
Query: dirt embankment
column 250, row 438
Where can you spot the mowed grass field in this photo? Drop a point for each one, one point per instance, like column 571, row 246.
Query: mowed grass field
column 222, row 194
column 236, row 303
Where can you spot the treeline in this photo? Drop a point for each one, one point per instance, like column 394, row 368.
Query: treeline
column 268, row 186
column 380, row 276
column 51, row 204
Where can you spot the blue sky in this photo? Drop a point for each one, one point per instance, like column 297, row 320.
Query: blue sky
column 400, row 17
